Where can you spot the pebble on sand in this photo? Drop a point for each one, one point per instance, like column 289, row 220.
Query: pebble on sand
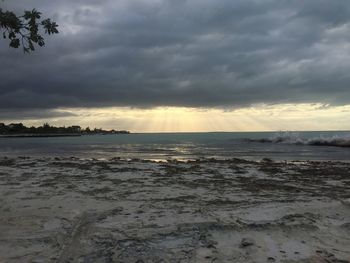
column 246, row 242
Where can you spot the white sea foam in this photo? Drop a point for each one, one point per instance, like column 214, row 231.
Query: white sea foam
column 296, row 138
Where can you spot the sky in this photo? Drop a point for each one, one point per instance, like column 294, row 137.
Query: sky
column 183, row 65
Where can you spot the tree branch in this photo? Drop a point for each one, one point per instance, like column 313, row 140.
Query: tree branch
column 25, row 30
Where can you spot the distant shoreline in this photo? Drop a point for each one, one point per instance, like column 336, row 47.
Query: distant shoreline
column 37, row 135
column 51, row 135
column 17, row 130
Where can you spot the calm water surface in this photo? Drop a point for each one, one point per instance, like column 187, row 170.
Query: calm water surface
column 161, row 146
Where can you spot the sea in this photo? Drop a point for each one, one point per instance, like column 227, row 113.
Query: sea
column 288, row 146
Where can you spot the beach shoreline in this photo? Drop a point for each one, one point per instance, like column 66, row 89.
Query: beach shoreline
column 58, row 209
column 38, row 135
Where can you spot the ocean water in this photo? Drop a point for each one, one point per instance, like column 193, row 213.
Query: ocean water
column 162, row 146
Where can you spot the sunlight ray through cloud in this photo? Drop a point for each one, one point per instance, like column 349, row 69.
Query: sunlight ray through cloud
column 177, row 119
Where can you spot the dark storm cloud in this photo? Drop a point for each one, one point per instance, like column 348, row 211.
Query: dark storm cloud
column 33, row 114
column 197, row 53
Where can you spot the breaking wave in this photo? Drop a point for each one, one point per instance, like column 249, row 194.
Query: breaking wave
column 295, row 138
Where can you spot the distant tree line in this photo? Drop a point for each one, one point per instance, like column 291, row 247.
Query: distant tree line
column 19, row 128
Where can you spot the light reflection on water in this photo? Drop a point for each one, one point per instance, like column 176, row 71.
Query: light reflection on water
column 182, row 146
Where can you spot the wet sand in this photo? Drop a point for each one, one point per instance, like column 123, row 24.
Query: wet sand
column 73, row 210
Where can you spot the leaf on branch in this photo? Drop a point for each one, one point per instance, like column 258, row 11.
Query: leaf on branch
column 15, row 43
column 50, row 27
column 25, row 29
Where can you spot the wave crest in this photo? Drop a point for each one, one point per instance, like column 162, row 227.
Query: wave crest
column 295, row 138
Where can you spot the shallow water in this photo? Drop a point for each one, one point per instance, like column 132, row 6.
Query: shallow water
column 160, row 146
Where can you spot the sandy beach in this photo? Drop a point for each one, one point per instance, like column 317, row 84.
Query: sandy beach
column 76, row 210
column 167, row 131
